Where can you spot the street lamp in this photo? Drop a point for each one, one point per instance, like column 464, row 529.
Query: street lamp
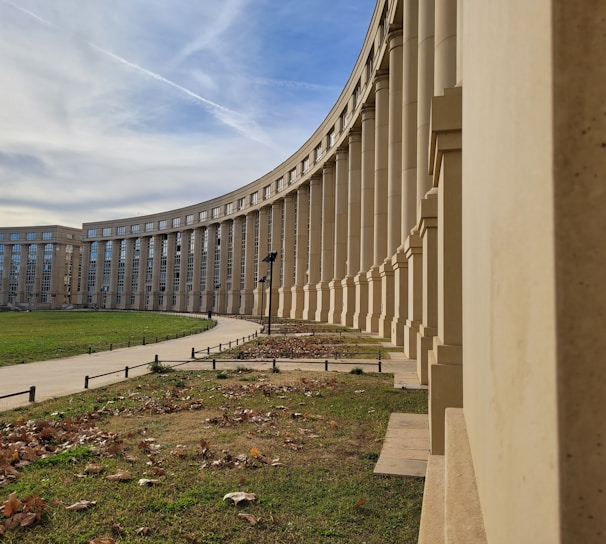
column 271, row 257
column 262, row 280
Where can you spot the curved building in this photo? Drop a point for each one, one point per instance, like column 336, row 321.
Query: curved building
column 453, row 202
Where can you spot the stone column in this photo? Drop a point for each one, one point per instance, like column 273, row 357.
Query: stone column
column 83, row 293
column 429, row 325
column 276, row 227
column 301, row 265
column 353, row 227
column 233, row 300
column 394, row 189
column 340, row 240
column 193, row 304
column 413, row 251
column 261, row 235
column 140, row 302
column 98, row 298
column 328, row 218
column 247, row 299
column 426, row 53
column 221, row 281
column 366, row 215
column 446, row 357
column 288, row 256
column 380, row 202
column 209, row 291
column 182, row 294
column 314, row 258
column 128, row 273
column 39, row 271
column 171, row 248
column 445, row 69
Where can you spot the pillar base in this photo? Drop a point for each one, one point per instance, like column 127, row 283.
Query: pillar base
column 397, row 331
column 323, row 302
column 285, row 301
column 411, row 329
column 349, row 301
column 297, row 300
column 310, row 297
column 336, row 302
column 387, row 299
column 359, row 315
column 374, row 299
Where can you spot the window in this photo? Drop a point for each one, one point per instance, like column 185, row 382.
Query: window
column 241, row 203
column 92, row 233
column 292, row 175
column 14, row 236
column 107, row 231
column 203, row 215
column 30, row 236
column 149, row 227
column 1, row 236
column 189, row 219
column 279, row 185
column 121, row 231
column 370, row 68
column 318, row 152
column 343, row 119
column 215, row 212
column 254, row 198
column 229, row 208
column 332, row 138
column 266, row 192
column 357, row 95
column 163, row 224
column 176, row 222
column 305, row 164
column 134, row 229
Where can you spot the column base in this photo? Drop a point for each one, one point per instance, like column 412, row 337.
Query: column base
column 374, row 299
column 310, row 297
column 397, row 331
column 246, row 302
column 297, row 301
column 285, row 301
column 424, row 346
column 349, row 300
column 323, row 302
column 411, row 329
column 359, row 315
column 336, row 302
column 387, row 299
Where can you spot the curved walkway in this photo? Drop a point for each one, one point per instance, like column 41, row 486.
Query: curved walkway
column 58, row 377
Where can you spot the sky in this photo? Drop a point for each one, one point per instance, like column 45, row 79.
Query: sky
column 117, row 108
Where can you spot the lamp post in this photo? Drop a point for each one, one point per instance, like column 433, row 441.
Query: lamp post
column 262, row 281
column 271, row 257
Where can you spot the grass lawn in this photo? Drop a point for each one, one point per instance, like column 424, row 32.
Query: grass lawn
column 302, row 445
column 38, row 336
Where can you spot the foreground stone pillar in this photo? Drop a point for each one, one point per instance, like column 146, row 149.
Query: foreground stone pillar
column 233, row 296
column 297, row 293
column 247, row 295
column 260, row 230
column 328, row 207
column 288, row 256
column 446, row 358
column 413, row 250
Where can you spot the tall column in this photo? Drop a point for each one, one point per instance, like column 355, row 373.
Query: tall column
column 366, row 215
column 247, row 299
column 261, row 235
column 193, row 302
column 276, row 230
column 84, row 270
column 315, row 238
column 328, row 210
column 171, row 248
column 209, row 291
column 221, row 281
column 400, row 260
column 182, row 294
column 128, row 273
column 340, row 243
column 424, row 95
column 233, row 300
column 446, row 357
column 445, row 69
column 22, row 273
column 353, row 227
column 288, row 253
column 140, row 302
column 394, row 185
column 380, row 202
column 296, row 310
column 98, row 298
column 413, row 251
column 39, row 271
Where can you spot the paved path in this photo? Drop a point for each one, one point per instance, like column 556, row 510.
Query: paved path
column 58, row 377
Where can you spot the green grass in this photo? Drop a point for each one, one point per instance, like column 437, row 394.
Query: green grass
column 325, row 428
column 38, row 336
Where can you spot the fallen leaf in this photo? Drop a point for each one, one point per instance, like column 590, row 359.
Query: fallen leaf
column 12, row 505
column 142, row 531
column 248, row 517
column 360, row 503
column 119, row 476
column 239, row 496
column 103, row 540
column 147, row 481
column 81, row 505
column 254, row 452
column 93, row 468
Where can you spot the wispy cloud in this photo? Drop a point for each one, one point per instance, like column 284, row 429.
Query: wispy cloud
column 112, row 109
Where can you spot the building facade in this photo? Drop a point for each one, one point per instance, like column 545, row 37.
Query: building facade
column 39, row 267
column 453, row 201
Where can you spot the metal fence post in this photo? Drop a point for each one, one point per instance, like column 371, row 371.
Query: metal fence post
column 32, row 393
column 85, row 382
column 193, row 353
column 214, row 364
column 326, row 365
column 126, row 371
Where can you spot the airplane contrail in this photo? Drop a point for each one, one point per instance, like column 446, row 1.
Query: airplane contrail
column 225, row 115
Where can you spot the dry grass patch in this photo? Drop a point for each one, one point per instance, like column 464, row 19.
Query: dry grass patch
column 300, row 446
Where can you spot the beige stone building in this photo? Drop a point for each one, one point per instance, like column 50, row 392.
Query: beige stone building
column 38, row 267
column 454, row 202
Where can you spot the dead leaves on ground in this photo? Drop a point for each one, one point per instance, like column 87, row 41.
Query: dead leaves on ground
column 21, row 512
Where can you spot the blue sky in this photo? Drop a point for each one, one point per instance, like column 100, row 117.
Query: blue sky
column 118, row 108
